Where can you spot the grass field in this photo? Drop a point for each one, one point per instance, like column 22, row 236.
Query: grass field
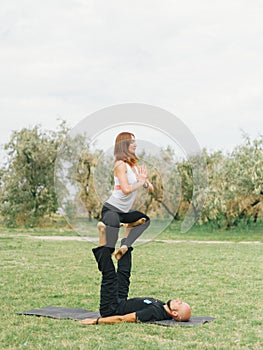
column 252, row 232
column 223, row 280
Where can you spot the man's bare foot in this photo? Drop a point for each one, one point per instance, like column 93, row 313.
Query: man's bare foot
column 120, row 252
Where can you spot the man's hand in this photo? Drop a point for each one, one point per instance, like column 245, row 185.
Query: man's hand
column 89, row 321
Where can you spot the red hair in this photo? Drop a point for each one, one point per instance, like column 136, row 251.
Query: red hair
column 121, row 149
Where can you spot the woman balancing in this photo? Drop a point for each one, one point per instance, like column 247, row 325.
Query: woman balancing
column 116, row 211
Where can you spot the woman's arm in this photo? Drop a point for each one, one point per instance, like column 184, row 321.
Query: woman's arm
column 111, row 319
column 120, row 173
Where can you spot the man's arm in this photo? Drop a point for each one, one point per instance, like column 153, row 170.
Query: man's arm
column 111, row 319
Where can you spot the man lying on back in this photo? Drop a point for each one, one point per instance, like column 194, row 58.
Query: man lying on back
column 114, row 305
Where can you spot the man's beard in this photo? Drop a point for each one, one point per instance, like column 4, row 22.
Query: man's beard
column 169, row 304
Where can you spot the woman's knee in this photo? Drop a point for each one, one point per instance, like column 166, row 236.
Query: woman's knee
column 110, row 218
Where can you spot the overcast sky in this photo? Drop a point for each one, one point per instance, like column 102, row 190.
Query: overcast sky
column 200, row 60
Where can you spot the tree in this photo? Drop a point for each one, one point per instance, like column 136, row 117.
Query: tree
column 214, row 209
column 235, row 190
column 28, row 191
column 244, row 171
column 164, row 175
column 89, row 183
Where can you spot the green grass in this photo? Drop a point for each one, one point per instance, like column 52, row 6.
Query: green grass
column 251, row 232
column 220, row 280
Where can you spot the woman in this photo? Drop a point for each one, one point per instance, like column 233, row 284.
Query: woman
column 128, row 178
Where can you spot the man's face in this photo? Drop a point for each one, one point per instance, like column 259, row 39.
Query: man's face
column 180, row 310
column 174, row 304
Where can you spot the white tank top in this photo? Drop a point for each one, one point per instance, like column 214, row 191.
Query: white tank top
column 119, row 199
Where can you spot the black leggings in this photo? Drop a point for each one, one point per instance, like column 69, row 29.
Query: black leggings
column 112, row 217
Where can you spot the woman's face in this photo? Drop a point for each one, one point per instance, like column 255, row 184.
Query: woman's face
column 132, row 146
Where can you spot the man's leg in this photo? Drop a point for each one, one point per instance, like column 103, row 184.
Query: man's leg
column 109, row 283
column 124, row 273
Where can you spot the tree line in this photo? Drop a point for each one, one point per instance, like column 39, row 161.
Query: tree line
column 34, row 183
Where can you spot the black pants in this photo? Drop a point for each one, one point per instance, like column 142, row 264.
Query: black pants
column 114, row 284
column 112, row 216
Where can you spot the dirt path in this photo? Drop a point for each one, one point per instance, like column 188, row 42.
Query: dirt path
column 92, row 239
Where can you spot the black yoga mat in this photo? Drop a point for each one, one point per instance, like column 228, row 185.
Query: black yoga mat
column 80, row 314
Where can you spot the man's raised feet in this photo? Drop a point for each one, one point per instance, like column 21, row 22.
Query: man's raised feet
column 120, row 252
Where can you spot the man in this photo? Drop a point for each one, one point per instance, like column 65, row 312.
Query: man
column 114, row 305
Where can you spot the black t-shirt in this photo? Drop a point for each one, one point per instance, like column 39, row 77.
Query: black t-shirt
column 147, row 309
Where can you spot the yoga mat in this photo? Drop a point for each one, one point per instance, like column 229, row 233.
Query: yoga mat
column 80, row 314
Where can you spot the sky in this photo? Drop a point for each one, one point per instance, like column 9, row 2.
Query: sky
column 200, row 60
